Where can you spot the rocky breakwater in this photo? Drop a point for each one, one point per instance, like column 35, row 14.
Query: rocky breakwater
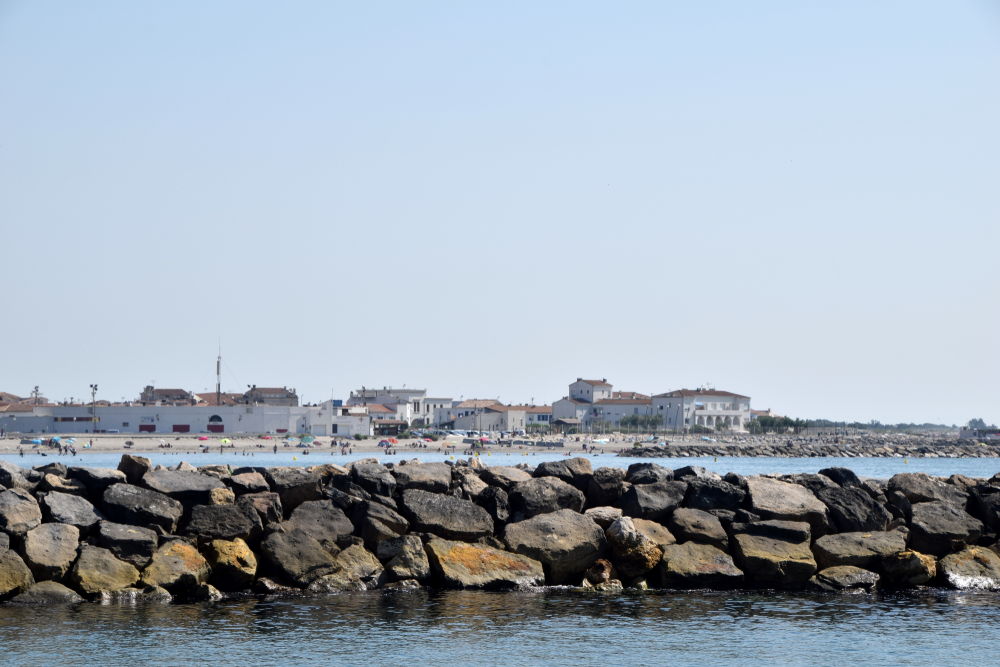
column 141, row 533
column 850, row 447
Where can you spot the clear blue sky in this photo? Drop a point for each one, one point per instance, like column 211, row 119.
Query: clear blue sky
column 795, row 201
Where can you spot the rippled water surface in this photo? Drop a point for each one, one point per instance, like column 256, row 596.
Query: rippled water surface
column 551, row 627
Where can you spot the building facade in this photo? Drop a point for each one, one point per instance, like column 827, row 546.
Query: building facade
column 710, row 408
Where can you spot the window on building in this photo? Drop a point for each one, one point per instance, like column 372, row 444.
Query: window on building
column 125, row 424
column 636, row 410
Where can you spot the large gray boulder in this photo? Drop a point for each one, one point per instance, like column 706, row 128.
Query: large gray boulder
column 59, row 484
column 503, row 476
column 374, row 478
column 131, row 544
column 713, row 494
column 771, row 499
column 97, row 570
column 359, row 563
column 654, row 502
column 541, row 495
column 375, row 522
column 468, row 481
column 864, row 550
column 773, row 553
column 814, row 483
column 843, row 477
column 576, row 471
column 186, row 487
column 938, row 528
column 47, row 592
column 919, row 487
column 496, row 502
column 445, row 516
column 50, row 549
column 19, row 512
column 297, row 557
column 606, row 487
column 321, row 519
column 294, row 486
column 604, row 516
column 659, row 533
column 565, row 541
column 266, row 505
column 124, row 503
column 648, row 473
column 410, row 560
column 177, row 567
column 432, row 477
column 975, row 568
column 463, row 565
column 134, row 467
column 632, row 552
column 844, row 579
column 694, row 565
column 853, row 510
column 98, row 480
column 985, row 504
column 54, row 468
column 15, row 577
column 247, row 482
column 70, row 509
column 220, row 522
column 690, row 525
column 694, row 472
column 14, row 477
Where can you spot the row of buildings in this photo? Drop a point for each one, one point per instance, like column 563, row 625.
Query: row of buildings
column 591, row 406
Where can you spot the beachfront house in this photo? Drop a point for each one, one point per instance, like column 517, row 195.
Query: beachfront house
column 582, row 394
column 712, row 408
column 609, row 412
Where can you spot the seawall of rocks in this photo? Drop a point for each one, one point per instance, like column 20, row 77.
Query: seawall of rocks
column 141, row 533
column 804, row 448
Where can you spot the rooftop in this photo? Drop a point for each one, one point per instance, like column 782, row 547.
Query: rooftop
column 595, row 383
column 478, row 403
column 694, row 393
column 628, row 394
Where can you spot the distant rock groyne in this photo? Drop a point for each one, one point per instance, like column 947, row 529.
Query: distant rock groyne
column 141, row 533
column 794, row 448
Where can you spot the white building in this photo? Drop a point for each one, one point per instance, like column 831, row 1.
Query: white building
column 611, row 411
column 538, row 416
column 589, row 391
column 412, row 406
column 711, row 408
column 339, row 421
column 327, row 419
column 474, row 406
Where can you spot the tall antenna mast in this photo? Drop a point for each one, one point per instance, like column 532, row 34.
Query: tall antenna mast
column 218, row 377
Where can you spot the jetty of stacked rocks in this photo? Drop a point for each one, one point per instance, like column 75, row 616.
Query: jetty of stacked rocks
column 850, row 447
column 141, row 533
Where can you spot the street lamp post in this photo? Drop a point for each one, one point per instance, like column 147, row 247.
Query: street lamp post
column 93, row 408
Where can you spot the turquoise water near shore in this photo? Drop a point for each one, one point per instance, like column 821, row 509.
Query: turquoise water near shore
column 535, row 629
column 866, row 467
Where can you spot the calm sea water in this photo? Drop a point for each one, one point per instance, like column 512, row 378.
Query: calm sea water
column 553, row 627
column 867, row 467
